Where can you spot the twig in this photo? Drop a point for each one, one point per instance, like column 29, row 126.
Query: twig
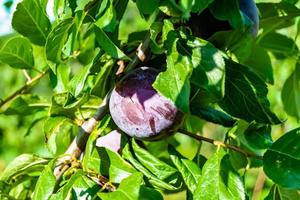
column 140, row 54
column 220, row 143
column 259, row 185
column 77, row 146
column 26, row 75
column 103, row 182
column 27, row 85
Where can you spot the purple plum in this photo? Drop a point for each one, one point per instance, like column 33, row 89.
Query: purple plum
column 111, row 141
column 139, row 110
column 205, row 25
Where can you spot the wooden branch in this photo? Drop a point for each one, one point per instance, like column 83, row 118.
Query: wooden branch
column 78, row 145
column 259, row 185
column 103, row 182
column 28, row 78
column 28, row 85
column 141, row 54
column 220, row 143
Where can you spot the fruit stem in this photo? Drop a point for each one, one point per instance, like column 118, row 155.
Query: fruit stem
column 220, row 143
column 27, row 85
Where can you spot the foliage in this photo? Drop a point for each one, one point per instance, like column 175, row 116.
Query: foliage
column 228, row 86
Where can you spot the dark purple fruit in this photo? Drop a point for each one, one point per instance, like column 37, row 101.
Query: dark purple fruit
column 249, row 8
column 138, row 110
column 205, row 24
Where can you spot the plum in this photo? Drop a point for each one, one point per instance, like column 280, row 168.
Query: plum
column 111, row 141
column 249, row 8
column 139, row 110
column 205, row 24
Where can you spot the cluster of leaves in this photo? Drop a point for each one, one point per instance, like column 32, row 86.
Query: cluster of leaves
column 222, row 80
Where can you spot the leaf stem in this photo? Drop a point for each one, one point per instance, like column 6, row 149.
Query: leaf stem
column 220, row 143
column 27, row 85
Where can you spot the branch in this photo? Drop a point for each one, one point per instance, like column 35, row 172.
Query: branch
column 141, row 54
column 78, row 145
column 103, row 182
column 259, row 185
column 27, row 85
column 220, row 143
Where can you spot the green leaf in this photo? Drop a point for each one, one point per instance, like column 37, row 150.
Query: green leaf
column 212, row 115
column 159, row 168
column 219, row 180
column 77, row 82
column 153, row 180
column 282, row 159
column 194, row 58
column 107, row 45
column 246, row 95
column 280, row 193
column 81, row 4
column 64, row 104
column 260, row 62
column 279, row 44
column 131, row 189
column 109, row 163
column 57, row 132
column 228, row 10
column 45, row 184
column 30, row 19
column 147, row 7
column 27, row 104
column 200, row 5
column 209, row 67
column 108, row 20
column 174, row 82
column 100, row 87
column 189, row 170
column 56, row 41
column 276, row 15
column 128, row 189
column 84, row 188
column 258, row 136
column 65, row 191
column 22, row 164
column 170, row 8
column 290, row 94
column 60, row 79
column 17, row 53
column 92, row 140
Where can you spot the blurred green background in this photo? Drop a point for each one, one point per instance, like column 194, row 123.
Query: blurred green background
column 18, row 134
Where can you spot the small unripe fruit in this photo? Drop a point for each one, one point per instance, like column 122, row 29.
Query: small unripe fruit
column 137, row 108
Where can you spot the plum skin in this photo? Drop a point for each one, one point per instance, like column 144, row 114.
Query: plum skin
column 139, row 110
column 249, row 8
column 111, row 141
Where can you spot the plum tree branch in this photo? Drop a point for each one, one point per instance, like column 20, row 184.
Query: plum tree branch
column 220, row 143
column 141, row 54
column 27, row 85
column 78, row 144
